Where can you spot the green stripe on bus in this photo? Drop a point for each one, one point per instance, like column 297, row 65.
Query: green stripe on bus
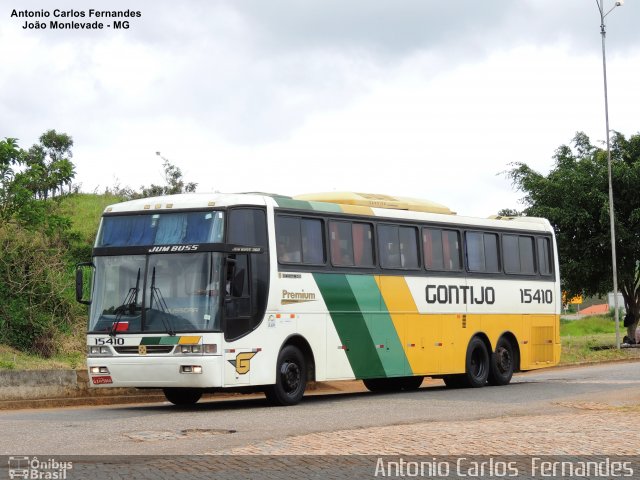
column 381, row 328
column 286, row 202
column 150, row 341
column 326, row 207
column 350, row 325
column 169, row 340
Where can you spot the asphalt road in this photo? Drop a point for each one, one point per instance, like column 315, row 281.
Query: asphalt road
column 217, row 426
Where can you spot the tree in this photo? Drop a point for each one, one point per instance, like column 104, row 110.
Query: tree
column 9, row 156
column 28, row 178
column 49, row 165
column 574, row 197
column 174, row 182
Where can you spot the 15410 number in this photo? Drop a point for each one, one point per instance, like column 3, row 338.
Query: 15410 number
column 528, row 295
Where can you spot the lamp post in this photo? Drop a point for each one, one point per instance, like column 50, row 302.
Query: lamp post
column 603, row 32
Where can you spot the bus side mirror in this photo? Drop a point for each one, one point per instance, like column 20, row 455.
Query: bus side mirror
column 80, row 282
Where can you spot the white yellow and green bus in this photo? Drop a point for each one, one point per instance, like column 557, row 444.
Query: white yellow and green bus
column 254, row 292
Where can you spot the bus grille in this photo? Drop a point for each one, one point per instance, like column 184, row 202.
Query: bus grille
column 151, row 349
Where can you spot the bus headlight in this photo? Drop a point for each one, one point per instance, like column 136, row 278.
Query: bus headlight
column 96, row 350
column 206, row 349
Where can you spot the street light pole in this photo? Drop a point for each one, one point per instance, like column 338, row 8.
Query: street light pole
column 603, row 32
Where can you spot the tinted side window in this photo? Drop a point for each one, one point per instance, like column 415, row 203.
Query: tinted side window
column 312, row 230
column 300, row 240
column 246, row 299
column 398, row 246
column 341, row 243
column 288, row 240
column 247, row 226
column 351, row 244
column 544, row 256
column 362, row 234
column 517, row 254
column 441, row 249
column 482, row 252
column 527, row 265
column 510, row 254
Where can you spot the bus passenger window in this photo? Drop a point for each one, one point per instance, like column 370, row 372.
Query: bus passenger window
column 517, row 254
column 544, row 256
column 288, row 239
column 312, row 241
column 398, row 246
column 363, row 244
column 300, row 240
column 341, row 243
column 482, row 252
column 441, row 249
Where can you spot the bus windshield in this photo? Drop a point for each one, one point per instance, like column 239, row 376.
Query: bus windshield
column 161, row 229
column 166, row 293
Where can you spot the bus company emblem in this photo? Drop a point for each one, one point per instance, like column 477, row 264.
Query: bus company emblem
column 297, row 297
column 174, row 248
column 242, row 363
column 142, row 349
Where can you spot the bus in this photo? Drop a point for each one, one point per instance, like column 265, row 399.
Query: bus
column 197, row 293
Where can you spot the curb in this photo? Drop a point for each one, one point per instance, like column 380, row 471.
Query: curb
column 31, row 389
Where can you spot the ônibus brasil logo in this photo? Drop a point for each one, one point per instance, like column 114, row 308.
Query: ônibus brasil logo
column 33, row 468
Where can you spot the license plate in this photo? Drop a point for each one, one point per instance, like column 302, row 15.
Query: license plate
column 102, row 380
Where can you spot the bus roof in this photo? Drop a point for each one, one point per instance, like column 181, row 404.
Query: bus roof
column 377, row 200
column 338, row 202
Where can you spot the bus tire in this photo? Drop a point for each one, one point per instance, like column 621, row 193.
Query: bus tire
column 410, row 383
column 454, row 381
column 393, row 384
column 182, row 396
column 477, row 364
column 378, row 385
column 291, row 378
column 502, row 363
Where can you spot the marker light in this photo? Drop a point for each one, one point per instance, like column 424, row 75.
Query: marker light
column 99, row 370
column 191, row 369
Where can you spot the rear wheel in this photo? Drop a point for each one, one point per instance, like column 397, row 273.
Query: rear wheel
column 381, row 384
column 291, row 378
column 502, row 363
column 393, row 384
column 477, row 367
column 182, row 396
column 410, row 383
column 477, row 364
column 454, row 381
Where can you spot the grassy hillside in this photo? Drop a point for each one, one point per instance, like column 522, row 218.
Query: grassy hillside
column 38, row 311
column 85, row 210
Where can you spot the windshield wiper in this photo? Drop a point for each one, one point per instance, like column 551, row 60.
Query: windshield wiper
column 129, row 304
column 157, row 294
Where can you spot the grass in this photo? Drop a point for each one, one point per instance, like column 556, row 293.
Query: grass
column 12, row 359
column 592, row 339
column 85, row 210
column 591, row 325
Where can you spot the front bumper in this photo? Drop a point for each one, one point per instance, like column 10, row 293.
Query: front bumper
column 156, row 372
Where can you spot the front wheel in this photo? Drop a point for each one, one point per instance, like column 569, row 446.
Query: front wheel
column 291, row 378
column 182, row 396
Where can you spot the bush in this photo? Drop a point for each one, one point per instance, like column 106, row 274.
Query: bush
column 35, row 299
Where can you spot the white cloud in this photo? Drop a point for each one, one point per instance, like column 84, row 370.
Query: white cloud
column 423, row 99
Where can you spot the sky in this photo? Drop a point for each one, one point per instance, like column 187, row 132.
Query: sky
column 418, row 98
